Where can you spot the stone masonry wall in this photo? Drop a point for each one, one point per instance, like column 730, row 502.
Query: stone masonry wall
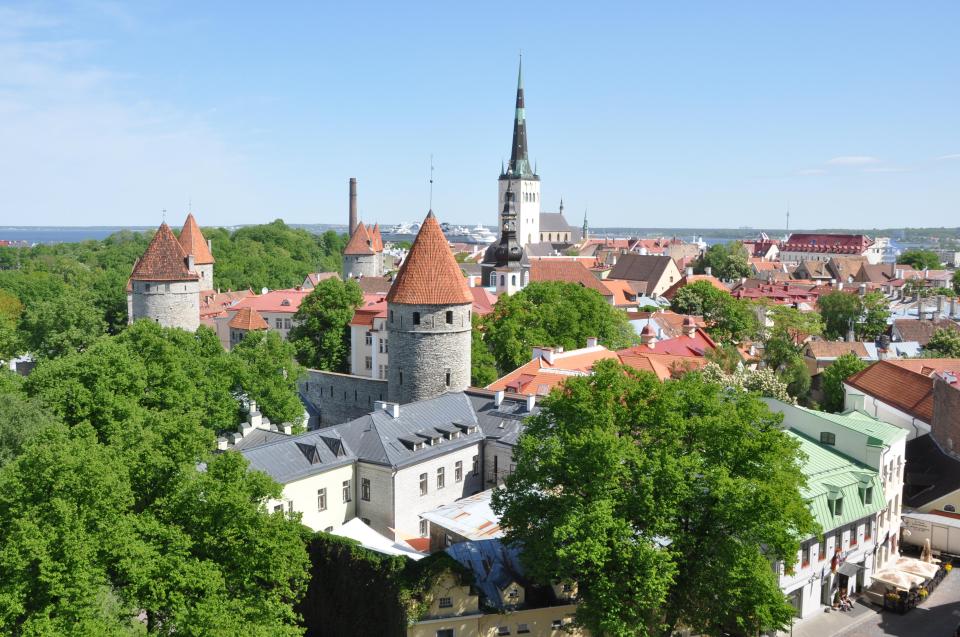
column 342, row 397
column 362, row 265
column 945, row 427
column 421, row 354
column 171, row 304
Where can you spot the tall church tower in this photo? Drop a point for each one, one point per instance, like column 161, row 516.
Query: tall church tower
column 520, row 178
column 428, row 321
column 508, row 274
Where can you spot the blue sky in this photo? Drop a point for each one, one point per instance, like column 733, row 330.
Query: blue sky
column 668, row 114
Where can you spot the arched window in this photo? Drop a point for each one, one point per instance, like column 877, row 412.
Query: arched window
column 503, row 280
column 513, row 279
column 416, row 318
column 493, row 279
column 449, row 317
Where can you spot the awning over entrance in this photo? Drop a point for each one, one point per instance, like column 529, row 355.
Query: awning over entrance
column 849, row 569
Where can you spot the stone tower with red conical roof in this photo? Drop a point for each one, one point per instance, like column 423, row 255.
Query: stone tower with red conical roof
column 361, row 256
column 164, row 286
column 428, row 321
column 193, row 243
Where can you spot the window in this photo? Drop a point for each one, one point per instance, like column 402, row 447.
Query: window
column 278, row 508
column 838, row 542
column 424, row 528
column 401, row 376
column 868, row 529
column 441, row 477
column 556, row 623
column 514, row 593
column 346, row 491
column 503, row 630
column 289, row 506
column 567, row 587
column 368, row 363
column 391, row 316
column 446, row 602
column 476, row 466
column 805, row 556
column 458, row 471
column 329, row 529
column 368, row 339
column 836, row 506
column 822, row 548
column 949, row 508
column 522, row 629
column 853, row 536
column 867, row 495
column 416, row 318
column 286, row 324
column 503, row 280
column 365, row 489
column 423, row 484
column 493, row 279
column 321, row 499
column 449, row 317
column 828, row 438
column 445, row 632
column 278, row 323
column 447, row 376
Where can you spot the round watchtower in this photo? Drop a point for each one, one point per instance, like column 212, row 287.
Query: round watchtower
column 164, row 286
column 428, row 321
column 360, row 257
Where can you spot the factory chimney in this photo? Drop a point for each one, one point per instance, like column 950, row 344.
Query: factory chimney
column 353, row 206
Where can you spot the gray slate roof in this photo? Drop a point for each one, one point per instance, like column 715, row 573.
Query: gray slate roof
column 494, row 565
column 554, row 222
column 380, row 438
column 640, row 267
column 296, row 457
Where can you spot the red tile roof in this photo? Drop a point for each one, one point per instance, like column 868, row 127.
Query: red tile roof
column 827, row 243
column 692, row 346
column 538, row 377
column 360, row 243
column 909, row 391
column 282, row 301
column 376, row 239
column 569, row 272
column 836, row 349
column 483, row 301
column 163, row 260
column 430, row 275
column 248, row 319
column 192, row 242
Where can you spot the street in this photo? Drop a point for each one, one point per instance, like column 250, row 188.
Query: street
column 937, row 617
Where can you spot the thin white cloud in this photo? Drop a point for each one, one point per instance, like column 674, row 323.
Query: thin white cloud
column 853, row 160
column 949, row 157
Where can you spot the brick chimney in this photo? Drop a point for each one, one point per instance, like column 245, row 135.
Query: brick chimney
column 353, row 206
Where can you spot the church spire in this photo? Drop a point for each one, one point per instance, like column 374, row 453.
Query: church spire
column 519, row 163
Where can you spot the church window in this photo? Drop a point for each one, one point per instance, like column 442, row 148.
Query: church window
column 449, row 317
column 503, row 280
column 416, row 318
column 513, row 279
column 493, row 279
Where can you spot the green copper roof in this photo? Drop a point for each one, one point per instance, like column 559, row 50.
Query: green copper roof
column 829, row 475
column 881, row 433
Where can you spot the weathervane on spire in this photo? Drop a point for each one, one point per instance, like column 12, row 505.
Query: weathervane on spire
column 431, row 181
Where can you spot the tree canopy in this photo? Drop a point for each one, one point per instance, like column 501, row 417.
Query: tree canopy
column 727, row 318
column 665, row 502
column 725, row 260
column 945, row 343
column 833, row 376
column 842, row 311
column 321, row 331
column 920, row 259
column 552, row 313
column 116, row 518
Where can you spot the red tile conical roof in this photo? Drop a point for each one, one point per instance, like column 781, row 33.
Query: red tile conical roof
column 430, row 275
column 360, row 243
column 248, row 319
column 192, row 242
column 376, row 238
column 163, row 260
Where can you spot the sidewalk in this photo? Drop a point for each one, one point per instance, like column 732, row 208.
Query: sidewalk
column 826, row 624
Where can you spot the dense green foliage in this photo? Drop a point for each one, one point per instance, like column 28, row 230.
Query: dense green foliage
column 268, row 374
column 115, row 517
column 727, row 318
column 726, row 261
column 656, row 498
column 483, row 366
column 920, row 259
column 321, row 331
column 866, row 315
column 833, row 376
column 75, row 292
column 955, row 280
column 392, row 591
column 945, row 343
column 552, row 313
column 763, row 382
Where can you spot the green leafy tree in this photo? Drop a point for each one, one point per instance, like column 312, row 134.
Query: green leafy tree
column 945, row 343
column 920, row 259
column 874, row 316
column 795, row 375
column 268, row 374
column 10, row 310
column 483, row 366
column 552, row 313
column 61, row 325
column 833, row 376
column 727, row 318
column 20, row 418
column 840, row 312
column 791, row 328
column 955, row 280
column 725, row 260
column 726, row 357
column 665, row 502
column 321, row 332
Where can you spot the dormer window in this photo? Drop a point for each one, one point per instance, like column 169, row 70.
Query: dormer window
column 836, row 506
column 828, row 438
